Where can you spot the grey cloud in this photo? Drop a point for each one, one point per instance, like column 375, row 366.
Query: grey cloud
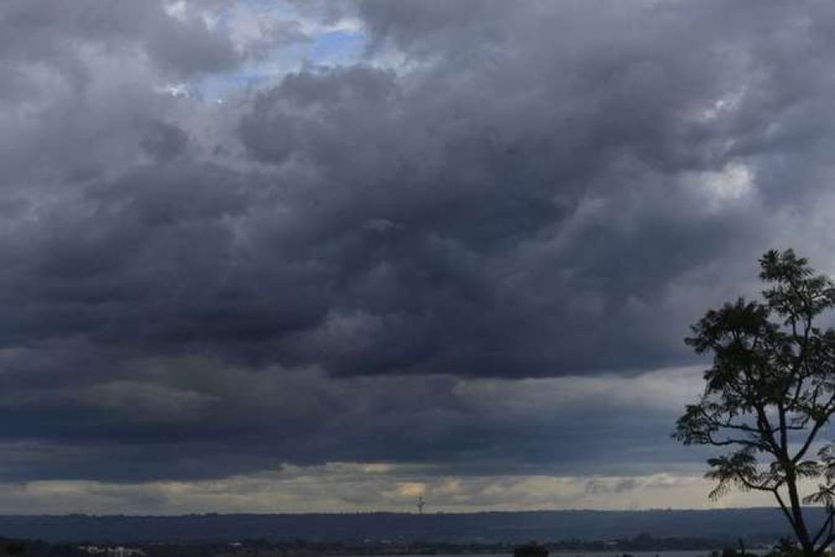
column 540, row 190
column 164, row 142
column 42, row 31
column 195, row 418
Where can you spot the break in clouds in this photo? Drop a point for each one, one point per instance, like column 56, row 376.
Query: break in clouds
column 432, row 247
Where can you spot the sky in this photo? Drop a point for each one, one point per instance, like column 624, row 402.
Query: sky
column 335, row 256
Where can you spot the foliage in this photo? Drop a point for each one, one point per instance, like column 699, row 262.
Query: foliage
column 769, row 394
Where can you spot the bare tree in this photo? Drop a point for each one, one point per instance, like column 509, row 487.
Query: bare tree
column 770, row 393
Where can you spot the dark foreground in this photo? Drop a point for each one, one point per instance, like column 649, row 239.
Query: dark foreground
column 755, row 525
column 641, row 546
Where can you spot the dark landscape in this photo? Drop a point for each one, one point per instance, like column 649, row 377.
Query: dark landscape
column 643, row 544
column 755, row 525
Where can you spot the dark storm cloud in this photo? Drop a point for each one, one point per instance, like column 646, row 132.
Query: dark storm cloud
column 48, row 31
column 326, row 268
column 195, row 418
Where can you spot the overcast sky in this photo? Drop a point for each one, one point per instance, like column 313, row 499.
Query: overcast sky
column 333, row 256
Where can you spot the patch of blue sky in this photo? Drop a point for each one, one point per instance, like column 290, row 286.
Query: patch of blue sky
column 285, row 59
column 330, row 48
column 338, row 47
column 325, row 46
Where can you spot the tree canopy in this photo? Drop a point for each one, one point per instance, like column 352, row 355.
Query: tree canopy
column 769, row 395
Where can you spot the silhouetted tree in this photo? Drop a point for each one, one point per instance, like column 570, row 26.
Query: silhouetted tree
column 769, row 393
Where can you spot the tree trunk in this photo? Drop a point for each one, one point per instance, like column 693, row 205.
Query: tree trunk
column 800, row 529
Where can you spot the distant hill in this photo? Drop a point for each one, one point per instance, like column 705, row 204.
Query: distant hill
column 760, row 524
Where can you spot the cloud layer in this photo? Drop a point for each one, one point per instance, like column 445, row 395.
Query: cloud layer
column 463, row 237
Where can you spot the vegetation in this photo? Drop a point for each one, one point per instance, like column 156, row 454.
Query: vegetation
column 302, row 548
column 769, row 394
column 308, row 548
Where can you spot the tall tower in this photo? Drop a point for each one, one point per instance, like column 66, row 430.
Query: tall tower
column 420, row 504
